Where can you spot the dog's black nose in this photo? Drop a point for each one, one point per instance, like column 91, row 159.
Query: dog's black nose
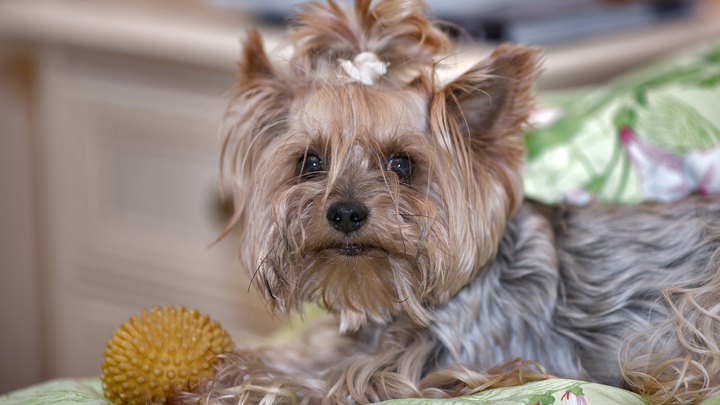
column 347, row 216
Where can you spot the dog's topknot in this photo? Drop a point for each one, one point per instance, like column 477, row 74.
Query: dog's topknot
column 397, row 31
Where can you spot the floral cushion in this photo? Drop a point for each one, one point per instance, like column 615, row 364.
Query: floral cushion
column 557, row 391
column 565, row 392
column 59, row 392
column 651, row 135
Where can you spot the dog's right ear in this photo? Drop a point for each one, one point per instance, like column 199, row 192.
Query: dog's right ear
column 254, row 64
column 263, row 95
column 259, row 80
column 257, row 115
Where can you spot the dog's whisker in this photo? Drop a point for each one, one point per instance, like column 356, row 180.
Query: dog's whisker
column 268, row 289
column 258, row 268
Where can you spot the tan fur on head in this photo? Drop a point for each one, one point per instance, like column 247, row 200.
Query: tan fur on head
column 396, row 31
column 425, row 238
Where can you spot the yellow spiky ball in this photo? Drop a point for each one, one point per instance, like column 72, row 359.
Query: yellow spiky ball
column 166, row 348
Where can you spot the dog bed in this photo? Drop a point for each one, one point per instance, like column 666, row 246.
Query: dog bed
column 654, row 134
column 556, row 391
column 89, row 391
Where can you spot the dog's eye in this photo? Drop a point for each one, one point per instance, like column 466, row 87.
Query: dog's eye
column 309, row 163
column 402, row 165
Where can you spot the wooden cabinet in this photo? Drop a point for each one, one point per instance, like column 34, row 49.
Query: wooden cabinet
column 129, row 151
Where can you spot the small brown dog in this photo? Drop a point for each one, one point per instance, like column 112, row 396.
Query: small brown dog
column 365, row 186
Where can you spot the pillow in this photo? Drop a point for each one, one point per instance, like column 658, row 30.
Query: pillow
column 59, row 392
column 653, row 134
column 557, row 391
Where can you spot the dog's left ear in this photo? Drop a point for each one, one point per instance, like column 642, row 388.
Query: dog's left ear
column 481, row 115
column 494, row 98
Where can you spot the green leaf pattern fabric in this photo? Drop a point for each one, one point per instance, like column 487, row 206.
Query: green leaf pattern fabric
column 654, row 134
column 86, row 391
column 556, row 391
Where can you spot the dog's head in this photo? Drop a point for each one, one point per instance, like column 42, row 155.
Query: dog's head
column 362, row 184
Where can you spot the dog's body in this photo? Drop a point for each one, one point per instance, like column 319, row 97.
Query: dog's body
column 396, row 203
column 571, row 284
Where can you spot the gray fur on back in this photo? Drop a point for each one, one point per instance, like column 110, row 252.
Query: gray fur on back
column 571, row 284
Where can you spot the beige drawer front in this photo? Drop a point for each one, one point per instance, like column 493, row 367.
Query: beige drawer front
column 133, row 202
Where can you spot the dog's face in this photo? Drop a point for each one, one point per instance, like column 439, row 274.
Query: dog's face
column 374, row 200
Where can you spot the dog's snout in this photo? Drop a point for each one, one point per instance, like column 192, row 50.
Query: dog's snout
column 347, row 217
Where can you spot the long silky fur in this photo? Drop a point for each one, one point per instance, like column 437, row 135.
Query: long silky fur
column 460, row 278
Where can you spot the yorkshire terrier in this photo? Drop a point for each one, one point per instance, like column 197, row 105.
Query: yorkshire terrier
column 366, row 186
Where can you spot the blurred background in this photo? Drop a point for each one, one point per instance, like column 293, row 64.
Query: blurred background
column 109, row 117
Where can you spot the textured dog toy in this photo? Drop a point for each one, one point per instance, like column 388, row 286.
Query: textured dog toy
column 166, row 348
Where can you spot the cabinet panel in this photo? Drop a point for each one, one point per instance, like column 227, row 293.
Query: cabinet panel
column 133, row 202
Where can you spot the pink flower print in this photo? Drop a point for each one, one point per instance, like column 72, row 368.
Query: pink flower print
column 662, row 173
column 574, row 396
column 702, row 167
column 579, row 196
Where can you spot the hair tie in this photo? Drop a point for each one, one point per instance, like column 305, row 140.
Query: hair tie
column 365, row 68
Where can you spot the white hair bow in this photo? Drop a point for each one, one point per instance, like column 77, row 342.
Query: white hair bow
column 365, row 68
